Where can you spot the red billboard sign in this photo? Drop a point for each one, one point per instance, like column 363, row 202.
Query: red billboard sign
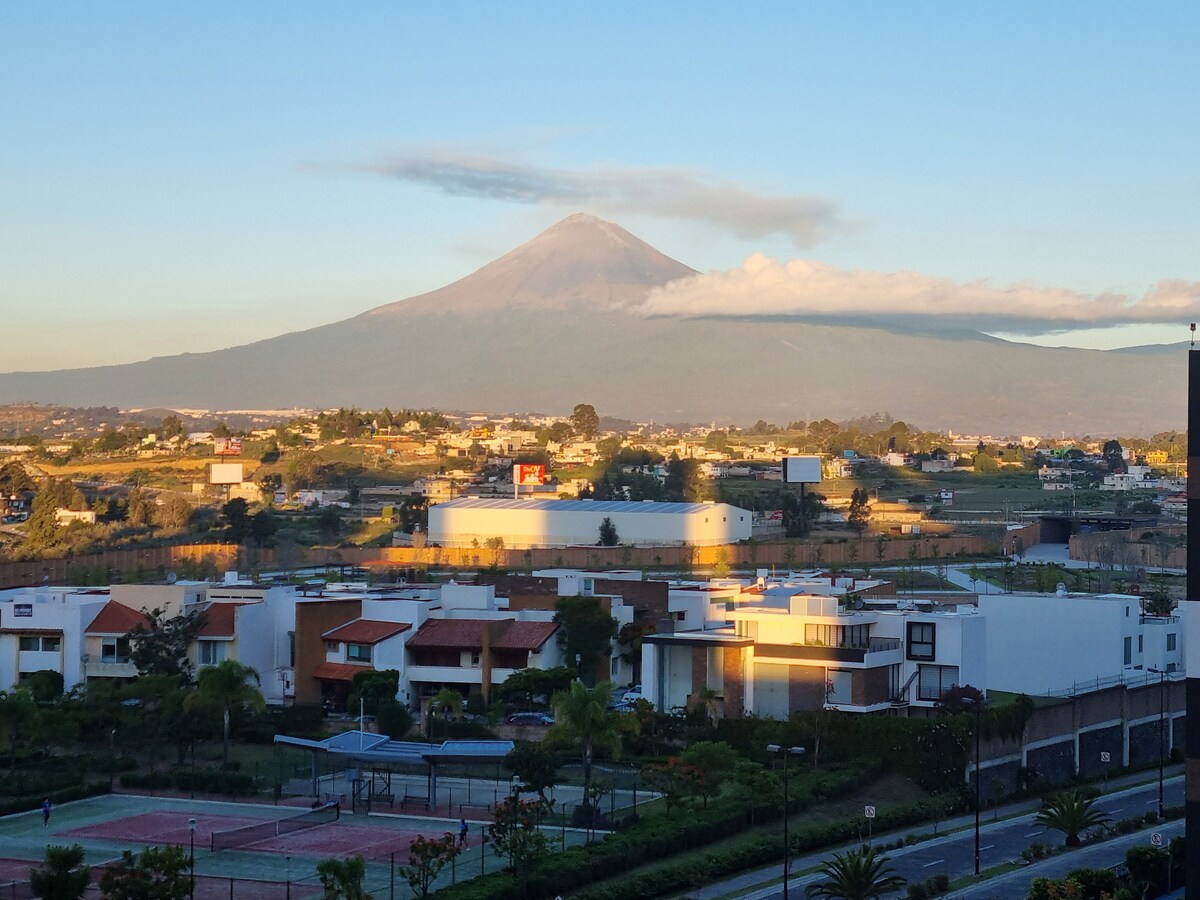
column 230, row 446
column 529, row 475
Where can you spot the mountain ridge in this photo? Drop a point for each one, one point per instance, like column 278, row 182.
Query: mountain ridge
column 554, row 322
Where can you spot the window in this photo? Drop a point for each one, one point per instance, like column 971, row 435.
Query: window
column 922, row 643
column 333, row 646
column 1141, row 643
column 210, row 653
column 893, row 681
column 114, row 650
column 358, row 652
column 838, row 687
column 475, row 660
column 1128, row 651
column 1171, row 641
column 291, row 648
column 933, row 681
column 47, row 643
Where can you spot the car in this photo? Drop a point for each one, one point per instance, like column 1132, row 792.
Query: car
column 529, row 718
column 633, row 694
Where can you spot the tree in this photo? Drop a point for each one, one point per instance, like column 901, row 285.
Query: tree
column 157, row 873
column 426, row 859
column 236, row 518
column 758, row 784
column 159, row 646
column 227, row 687
column 860, row 509
column 342, row 879
column 608, row 533
column 171, row 427
column 856, row 875
column 63, row 877
column 17, row 710
column 175, row 513
column 586, row 630
column 45, row 685
column 584, row 421
column 581, row 715
column 514, row 833
column 715, row 761
column 42, row 530
column 530, row 687
column 536, row 766
column 263, row 526
column 676, row 780
column 372, row 687
column 1072, row 813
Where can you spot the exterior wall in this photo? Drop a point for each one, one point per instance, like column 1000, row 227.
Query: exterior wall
column 464, row 524
column 1045, row 643
column 313, row 618
column 60, row 613
column 264, row 644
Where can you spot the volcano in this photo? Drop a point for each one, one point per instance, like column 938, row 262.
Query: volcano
column 557, row 322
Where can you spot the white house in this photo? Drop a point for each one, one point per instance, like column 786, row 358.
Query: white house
column 1071, row 643
column 43, row 629
column 559, row 523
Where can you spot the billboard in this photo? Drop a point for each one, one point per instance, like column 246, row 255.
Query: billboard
column 802, row 469
column 529, row 475
column 225, row 473
column 230, row 446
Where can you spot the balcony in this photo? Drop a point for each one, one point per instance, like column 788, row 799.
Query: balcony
column 110, row 667
column 879, row 652
column 448, row 674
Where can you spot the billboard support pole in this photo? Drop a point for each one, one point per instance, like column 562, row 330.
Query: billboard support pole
column 1192, row 635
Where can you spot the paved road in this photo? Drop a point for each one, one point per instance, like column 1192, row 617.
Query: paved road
column 1002, row 842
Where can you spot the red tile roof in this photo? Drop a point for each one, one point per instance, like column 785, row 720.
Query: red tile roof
column 365, row 631
column 219, row 620
column 328, row 671
column 116, row 618
column 525, row 635
column 467, row 634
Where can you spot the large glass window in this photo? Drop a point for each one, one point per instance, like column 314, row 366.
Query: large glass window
column 51, row 643
column 838, row 687
column 358, row 652
column 922, row 642
column 933, row 681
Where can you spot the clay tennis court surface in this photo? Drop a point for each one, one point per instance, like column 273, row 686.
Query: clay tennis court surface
column 331, row 839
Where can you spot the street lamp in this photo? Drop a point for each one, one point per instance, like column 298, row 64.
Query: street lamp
column 978, row 704
column 787, row 850
column 1162, row 735
column 192, row 857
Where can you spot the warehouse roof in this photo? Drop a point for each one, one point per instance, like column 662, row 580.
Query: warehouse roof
column 596, row 506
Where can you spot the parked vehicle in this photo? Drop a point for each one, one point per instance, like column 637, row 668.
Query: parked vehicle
column 529, row 718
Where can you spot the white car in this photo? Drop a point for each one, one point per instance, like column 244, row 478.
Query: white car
column 633, row 694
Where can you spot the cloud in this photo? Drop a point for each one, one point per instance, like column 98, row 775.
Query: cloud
column 668, row 193
column 767, row 287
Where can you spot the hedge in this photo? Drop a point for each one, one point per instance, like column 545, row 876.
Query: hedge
column 65, row 795
column 206, row 781
column 654, row 840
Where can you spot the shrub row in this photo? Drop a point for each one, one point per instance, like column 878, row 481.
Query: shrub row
column 655, row 839
column 65, row 795
column 207, row 781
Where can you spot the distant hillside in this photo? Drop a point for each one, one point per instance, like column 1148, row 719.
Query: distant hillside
column 550, row 324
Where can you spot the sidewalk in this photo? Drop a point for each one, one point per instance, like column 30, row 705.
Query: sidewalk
column 764, row 877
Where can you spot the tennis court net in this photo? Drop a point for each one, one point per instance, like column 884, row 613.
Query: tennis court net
column 260, row 831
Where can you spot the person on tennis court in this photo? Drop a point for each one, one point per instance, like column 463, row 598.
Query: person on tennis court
column 46, row 812
column 462, row 832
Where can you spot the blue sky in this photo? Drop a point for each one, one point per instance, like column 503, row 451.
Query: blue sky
column 186, row 177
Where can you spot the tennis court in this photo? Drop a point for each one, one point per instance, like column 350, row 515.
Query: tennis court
column 266, row 859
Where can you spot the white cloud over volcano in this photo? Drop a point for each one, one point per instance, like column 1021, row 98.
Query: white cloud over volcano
column 764, row 286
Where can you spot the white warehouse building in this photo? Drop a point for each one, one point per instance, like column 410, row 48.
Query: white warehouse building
column 562, row 523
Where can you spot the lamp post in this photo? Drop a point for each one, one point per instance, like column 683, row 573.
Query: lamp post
column 1162, row 735
column 516, row 790
column 192, row 858
column 978, row 704
column 787, row 850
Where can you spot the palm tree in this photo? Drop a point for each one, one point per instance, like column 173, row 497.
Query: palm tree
column 446, row 701
column 856, row 875
column 1072, row 813
column 227, row 686
column 581, row 715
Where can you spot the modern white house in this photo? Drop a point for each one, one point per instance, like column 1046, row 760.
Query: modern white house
column 43, row 629
column 784, row 653
column 1066, row 644
column 522, row 524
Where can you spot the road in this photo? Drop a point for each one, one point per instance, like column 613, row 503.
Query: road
column 1002, row 842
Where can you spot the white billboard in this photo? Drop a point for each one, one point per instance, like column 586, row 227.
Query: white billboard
column 225, row 473
column 802, row 469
